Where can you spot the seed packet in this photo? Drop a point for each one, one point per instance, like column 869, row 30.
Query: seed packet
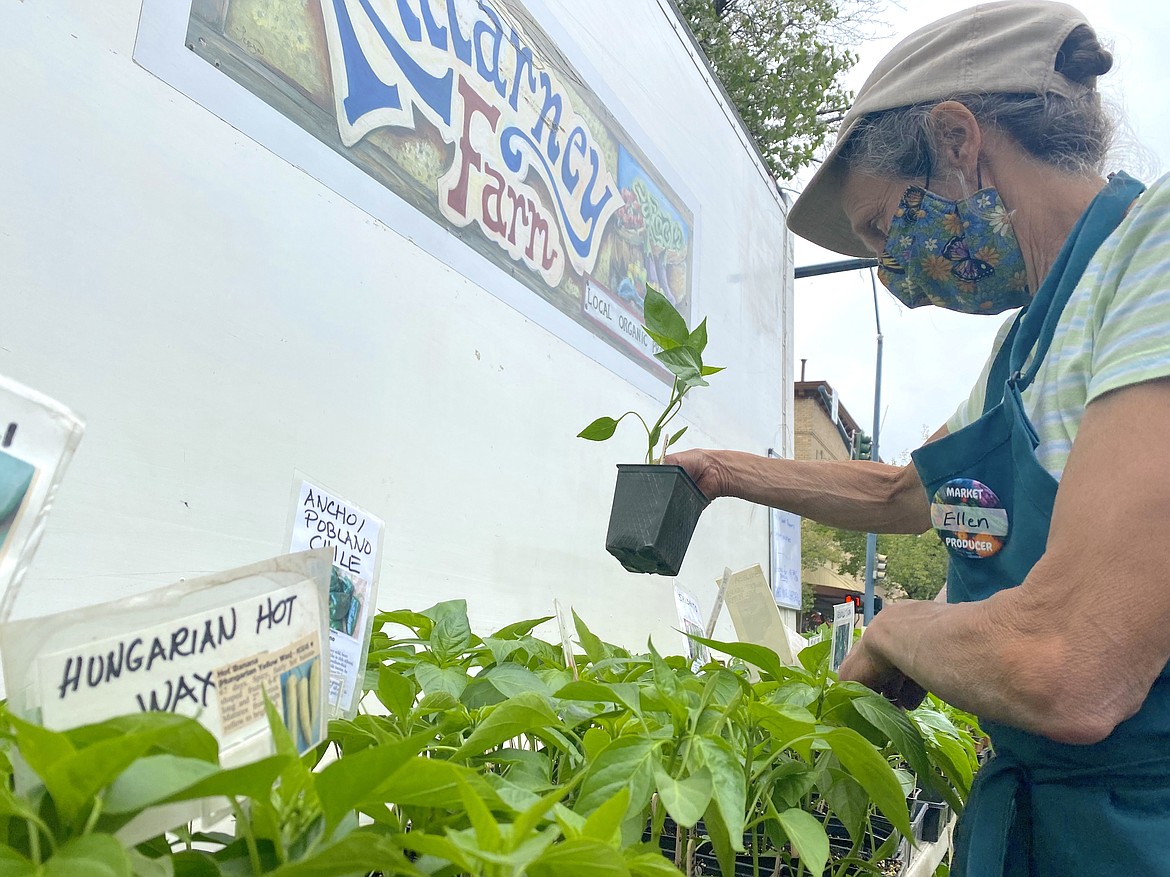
column 37, row 438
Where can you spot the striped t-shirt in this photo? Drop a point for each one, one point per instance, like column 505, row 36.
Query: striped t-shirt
column 1114, row 331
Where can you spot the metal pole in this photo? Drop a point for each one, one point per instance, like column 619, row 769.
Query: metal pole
column 834, row 267
column 871, row 538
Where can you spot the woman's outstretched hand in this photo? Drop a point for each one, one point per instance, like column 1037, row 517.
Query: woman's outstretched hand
column 705, row 470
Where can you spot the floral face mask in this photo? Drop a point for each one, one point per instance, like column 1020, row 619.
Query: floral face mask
column 959, row 255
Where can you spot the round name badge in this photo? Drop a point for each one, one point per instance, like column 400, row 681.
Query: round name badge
column 969, row 518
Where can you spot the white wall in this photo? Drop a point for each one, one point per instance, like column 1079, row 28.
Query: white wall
column 221, row 319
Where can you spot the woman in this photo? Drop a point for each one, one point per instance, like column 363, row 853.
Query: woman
column 971, row 164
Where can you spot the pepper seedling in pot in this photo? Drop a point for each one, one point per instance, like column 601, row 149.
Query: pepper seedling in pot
column 656, row 507
column 682, row 355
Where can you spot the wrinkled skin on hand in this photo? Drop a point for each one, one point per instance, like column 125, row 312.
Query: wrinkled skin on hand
column 704, row 469
column 863, row 664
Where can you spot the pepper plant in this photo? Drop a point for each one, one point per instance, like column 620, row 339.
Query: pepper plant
column 489, row 756
column 682, row 355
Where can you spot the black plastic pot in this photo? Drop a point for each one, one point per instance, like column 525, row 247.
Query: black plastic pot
column 655, row 509
column 935, row 815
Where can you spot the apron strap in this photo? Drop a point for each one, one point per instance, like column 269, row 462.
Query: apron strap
column 1038, row 326
column 1000, row 366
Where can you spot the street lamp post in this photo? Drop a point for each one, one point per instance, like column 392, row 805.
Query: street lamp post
column 835, row 268
column 871, row 538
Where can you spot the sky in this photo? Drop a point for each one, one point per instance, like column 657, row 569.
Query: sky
column 931, row 357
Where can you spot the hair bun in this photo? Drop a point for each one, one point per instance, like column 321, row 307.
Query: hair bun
column 1082, row 58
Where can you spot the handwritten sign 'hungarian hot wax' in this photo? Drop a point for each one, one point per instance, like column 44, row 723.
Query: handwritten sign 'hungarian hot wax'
column 467, row 110
column 211, row 649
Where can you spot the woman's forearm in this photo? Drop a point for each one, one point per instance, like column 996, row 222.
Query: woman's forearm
column 853, row 495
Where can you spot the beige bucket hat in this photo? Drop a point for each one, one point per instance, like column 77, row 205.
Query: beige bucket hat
column 996, row 48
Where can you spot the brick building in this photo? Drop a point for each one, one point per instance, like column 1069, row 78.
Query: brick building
column 817, row 437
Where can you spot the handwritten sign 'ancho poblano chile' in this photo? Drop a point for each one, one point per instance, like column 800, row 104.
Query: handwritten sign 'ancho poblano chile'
column 210, row 648
column 321, row 519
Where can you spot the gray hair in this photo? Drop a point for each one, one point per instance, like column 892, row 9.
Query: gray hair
column 1071, row 134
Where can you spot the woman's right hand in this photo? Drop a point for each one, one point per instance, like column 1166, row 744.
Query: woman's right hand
column 705, row 470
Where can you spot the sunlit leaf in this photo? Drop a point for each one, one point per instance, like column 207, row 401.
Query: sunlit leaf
column 599, row 430
column 685, row 798
column 808, row 837
column 662, row 318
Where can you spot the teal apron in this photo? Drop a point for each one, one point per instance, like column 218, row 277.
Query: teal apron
column 1041, row 808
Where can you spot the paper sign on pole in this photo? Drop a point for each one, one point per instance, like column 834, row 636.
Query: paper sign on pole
column 209, row 648
column 844, row 616
column 37, row 440
column 691, row 621
column 786, row 564
column 755, row 615
column 321, row 519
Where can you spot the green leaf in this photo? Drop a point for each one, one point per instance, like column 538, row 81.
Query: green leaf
column 498, row 683
column 520, row 628
column 786, row 723
column 685, row 799
column 192, row 863
column 144, row 866
column 416, row 621
column 592, row 645
column 650, row 865
column 94, row 855
column 74, row 776
column 676, row 436
column 725, row 843
column 790, row 782
column 297, row 782
column 623, row 693
column 395, row 692
column 661, row 340
column 451, row 636
column 761, row 656
column 684, row 363
column 845, row 797
column 175, row 734
column 730, row 781
column 816, row 656
column 593, row 741
column 870, row 769
column 159, row 779
column 600, row 429
column 528, row 713
column 429, row 782
column 359, row 852
column 662, row 318
column 698, row 338
column 353, row 778
column 628, row 762
column 435, row 680
column 579, row 858
column 13, row 864
column 439, row 848
column 525, row 824
column 708, row 370
column 905, row 736
column 808, row 837
column 487, row 830
column 605, row 823
column 667, row 682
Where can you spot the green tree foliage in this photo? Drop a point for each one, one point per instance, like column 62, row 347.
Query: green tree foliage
column 916, row 564
column 818, row 547
column 779, row 61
